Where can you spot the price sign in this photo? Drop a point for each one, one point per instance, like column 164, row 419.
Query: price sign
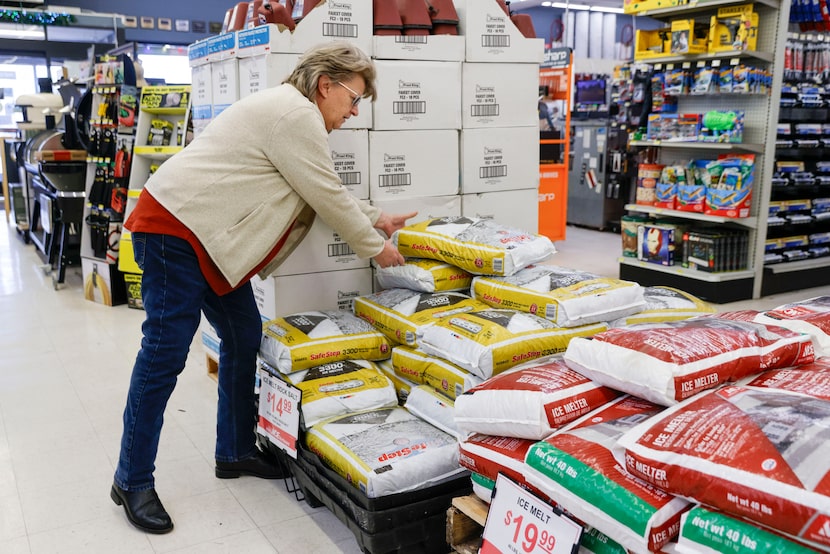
column 279, row 413
column 519, row 522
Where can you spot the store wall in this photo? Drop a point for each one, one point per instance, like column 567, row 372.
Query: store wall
column 196, row 14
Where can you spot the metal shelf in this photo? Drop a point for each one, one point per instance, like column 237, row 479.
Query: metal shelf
column 726, row 146
column 682, row 58
column 694, row 7
column 748, row 222
column 800, row 265
column 689, row 272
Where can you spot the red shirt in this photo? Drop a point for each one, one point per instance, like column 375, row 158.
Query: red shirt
column 151, row 217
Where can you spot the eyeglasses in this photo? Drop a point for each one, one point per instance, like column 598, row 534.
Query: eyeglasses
column 357, row 97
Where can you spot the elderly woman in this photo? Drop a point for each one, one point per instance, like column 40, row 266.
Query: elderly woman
column 232, row 204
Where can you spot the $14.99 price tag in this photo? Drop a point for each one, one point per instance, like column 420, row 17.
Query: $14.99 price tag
column 279, row 413
column 521, row 523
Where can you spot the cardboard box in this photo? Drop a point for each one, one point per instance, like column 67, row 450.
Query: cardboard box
column 265, row 71
column 103, row 283
column 492, row 37
column 349, row 20
column 514, row 208
column 322, row 249
column 657, row 244
column 499, row 95
column 263, row 39
column 444, row 48
column 197, row 53
column 221, row 47
column 350, row 153
column 201, row 87
column 406, row 164
column 499, row 159
column 224, row 84
column 417, row 95
column 328, row 290
column 428, row 207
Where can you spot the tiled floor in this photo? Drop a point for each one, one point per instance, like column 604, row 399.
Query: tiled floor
column 64, row 368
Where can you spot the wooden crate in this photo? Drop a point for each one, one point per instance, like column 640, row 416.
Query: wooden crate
column 212, row 364
column 465, row 523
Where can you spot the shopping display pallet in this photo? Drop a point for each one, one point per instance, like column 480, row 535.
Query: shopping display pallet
column 465, row 523
column 412, row 523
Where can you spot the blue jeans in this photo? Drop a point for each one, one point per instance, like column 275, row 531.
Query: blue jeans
column 174, row 293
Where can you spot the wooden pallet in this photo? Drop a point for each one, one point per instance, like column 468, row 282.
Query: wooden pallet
column 465, row 523
column 212, row 366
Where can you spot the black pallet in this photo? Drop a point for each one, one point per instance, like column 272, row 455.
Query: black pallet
column 409, row 534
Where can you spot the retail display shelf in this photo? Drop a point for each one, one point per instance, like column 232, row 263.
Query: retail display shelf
column 702, row 6
column 751, row 148
column 787, row 267
column 157, row 152
column 749, row 222
column 708, row 56
column 689, row 272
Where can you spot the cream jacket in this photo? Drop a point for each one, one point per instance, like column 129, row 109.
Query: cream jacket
column 261, row 164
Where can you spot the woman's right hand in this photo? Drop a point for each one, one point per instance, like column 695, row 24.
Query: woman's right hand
column 389, row 256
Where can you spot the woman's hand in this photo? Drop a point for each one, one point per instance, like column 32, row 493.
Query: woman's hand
column 389, row 256
column 389, row 223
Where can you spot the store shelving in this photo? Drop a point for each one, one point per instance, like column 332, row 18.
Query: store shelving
column 760, row 120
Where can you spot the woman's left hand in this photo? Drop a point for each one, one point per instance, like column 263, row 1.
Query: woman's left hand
column 389, row 223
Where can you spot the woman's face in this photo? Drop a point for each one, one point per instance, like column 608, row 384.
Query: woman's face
column 336, row 99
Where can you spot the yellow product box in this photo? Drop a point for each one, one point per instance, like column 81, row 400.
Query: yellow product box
column 652, row 43
column 689, row 37
column 133, row 284
column 733, row 28
column 633, row 6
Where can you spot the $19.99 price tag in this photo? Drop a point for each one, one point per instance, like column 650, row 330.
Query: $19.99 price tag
column 521, row 523
column 279, row 413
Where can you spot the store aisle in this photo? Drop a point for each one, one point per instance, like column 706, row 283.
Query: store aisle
column 64, row 367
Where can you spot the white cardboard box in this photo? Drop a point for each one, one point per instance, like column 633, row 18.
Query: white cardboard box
column 406, row 164
column 322, row 249
column 350, row 154
column 264, row 71
column 221, row 47
column 225, row 84
column 201, row 86
column 445, row 48
column 499, row 159
column 197, row 53
column 417, row 95
column 428, row 207
column 492, row 37
column 499, row 95
column 331, row 20
column 327, row 290
column 263, row 39
column 513, row 208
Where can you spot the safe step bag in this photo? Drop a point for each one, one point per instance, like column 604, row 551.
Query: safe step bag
column 755, row 452
column 424, row 275
column 419, row 367
column 490, row 341
column 307, row 339
column 339, row 388
column 386, row 451
column 529, row 401
column 434, row 408
column 666, row 304
column 811, row 316
column 479, row 246
column 576, row 467
column 402, row 385
column 668, row 362
column 565, row 296
column 403, row 314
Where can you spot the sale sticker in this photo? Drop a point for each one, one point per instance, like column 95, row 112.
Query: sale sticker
column 279, row 413
column 520, row 522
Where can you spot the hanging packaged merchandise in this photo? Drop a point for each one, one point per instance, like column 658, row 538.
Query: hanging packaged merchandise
column 160, row 133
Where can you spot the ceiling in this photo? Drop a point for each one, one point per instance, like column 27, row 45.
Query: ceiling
column 520, row 5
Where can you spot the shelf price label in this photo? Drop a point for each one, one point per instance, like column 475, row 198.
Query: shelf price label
column 279, row 413
column 520, row 522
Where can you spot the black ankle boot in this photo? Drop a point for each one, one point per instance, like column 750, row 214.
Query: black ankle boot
column 144, row 509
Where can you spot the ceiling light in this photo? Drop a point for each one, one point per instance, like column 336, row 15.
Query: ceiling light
column 567, row 6
column 546, row 4
column 606, row 10
column 15, row 31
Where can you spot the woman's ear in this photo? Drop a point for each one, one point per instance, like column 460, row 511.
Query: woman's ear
column 324, row 84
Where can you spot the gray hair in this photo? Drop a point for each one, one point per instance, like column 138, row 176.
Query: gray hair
column 339, row 60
